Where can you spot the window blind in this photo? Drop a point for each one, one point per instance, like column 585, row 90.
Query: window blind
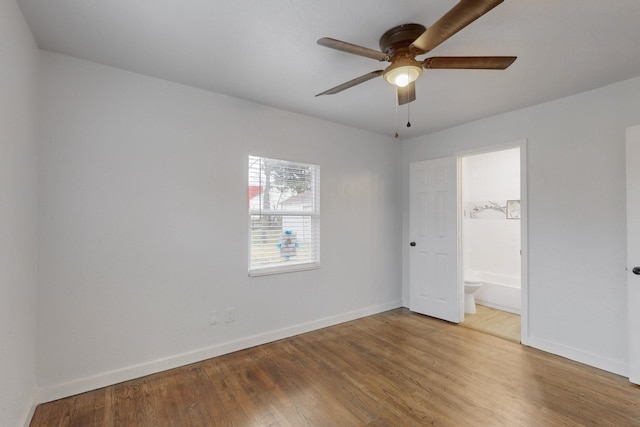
column 284, row 216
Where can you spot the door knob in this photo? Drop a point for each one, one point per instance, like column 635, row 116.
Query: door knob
column 636, row 270
column 414, row 243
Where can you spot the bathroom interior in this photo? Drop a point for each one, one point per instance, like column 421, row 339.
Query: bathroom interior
column 491, row 236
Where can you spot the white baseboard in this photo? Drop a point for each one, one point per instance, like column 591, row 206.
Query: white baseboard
column 59, row 391
column 599, row 362
column 499, row 307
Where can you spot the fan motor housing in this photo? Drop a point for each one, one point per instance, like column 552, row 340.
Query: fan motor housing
column 398, row 39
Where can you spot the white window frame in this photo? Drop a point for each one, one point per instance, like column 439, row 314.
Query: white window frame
column 310, row 214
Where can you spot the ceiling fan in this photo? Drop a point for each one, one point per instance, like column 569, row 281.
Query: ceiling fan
column 400, row 46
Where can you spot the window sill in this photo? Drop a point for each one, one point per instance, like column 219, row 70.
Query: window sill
column 283, row 269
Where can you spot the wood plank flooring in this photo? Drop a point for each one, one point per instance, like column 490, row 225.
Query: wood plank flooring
column 392, row 369
column 495, row 322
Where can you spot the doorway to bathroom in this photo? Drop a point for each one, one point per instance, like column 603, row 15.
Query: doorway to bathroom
column 490, row 224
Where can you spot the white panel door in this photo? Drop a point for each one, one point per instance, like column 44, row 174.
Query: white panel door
column 633, row 250
column 433, row 229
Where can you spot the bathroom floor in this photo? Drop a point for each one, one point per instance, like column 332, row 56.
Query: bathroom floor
column 495, row 322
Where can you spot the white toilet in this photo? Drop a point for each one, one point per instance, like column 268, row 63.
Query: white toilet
column 470, row 286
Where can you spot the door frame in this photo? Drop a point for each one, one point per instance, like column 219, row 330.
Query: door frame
column 632, row 146
column 524, row 242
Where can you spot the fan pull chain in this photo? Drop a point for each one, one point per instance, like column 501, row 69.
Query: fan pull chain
column 397, row 121
column 408, row 115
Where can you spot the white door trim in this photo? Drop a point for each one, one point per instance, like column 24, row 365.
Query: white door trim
column 632, row 147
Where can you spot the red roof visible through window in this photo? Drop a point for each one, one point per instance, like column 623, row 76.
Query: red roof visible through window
column 254, row 190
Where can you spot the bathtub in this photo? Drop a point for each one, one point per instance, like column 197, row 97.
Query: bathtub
column 498, row 290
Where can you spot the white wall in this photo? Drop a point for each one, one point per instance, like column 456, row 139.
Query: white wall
column 576, row 215
column 18, row 215
column 144, row 231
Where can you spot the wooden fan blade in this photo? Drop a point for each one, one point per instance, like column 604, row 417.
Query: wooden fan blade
column 469, row 62
column 453, row 21
column 353, row 48
column 407, row 94
column 352, row 83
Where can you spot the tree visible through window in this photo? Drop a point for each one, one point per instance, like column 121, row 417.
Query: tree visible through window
column 284, row 216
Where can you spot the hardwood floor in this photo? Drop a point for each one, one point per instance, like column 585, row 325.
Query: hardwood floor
column 393, row 369
column 495, row 322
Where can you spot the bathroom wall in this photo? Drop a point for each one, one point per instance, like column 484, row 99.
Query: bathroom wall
column 490, row 234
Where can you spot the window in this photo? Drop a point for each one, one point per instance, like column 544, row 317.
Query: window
column 284, row 216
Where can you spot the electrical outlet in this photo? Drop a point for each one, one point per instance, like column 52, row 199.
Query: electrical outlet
column 230, row 315
column 213, row 317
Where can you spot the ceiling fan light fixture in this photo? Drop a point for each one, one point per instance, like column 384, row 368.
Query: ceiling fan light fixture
column 403, row 72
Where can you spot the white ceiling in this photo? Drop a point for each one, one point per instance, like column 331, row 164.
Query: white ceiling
column 266, row 51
